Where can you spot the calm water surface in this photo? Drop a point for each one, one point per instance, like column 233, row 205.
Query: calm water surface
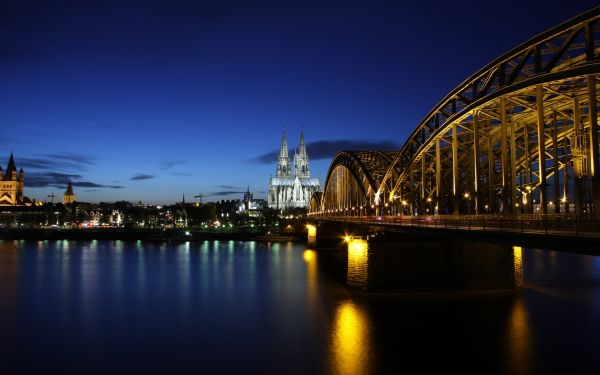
column 245, row 307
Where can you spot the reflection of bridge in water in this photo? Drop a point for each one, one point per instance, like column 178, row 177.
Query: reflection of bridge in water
column 514, row 148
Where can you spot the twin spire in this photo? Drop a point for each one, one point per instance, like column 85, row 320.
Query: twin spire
column 301, row 168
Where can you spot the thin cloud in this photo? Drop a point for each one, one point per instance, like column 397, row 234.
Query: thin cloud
column 61, row 161
column 60, row 180
column 140, row 176
column 321, row 150
column 222, row 193
column 182, row 174
column 229, row 187
column 95, row 185
column 73, row 158
column 167, row 164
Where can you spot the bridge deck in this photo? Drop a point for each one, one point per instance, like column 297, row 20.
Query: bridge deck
column 558, row 232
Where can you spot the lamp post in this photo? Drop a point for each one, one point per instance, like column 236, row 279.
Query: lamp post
column 468, row 198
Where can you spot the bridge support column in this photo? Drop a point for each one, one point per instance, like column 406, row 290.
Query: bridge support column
column 594, row 154
column 439, row 204
column 491, row 163
column 357, row 276
column 476, row 163
column 455, row 192
column 312, row 235
column 555, row 165
column 504, row 157
column 513, row 170
column 541, row 139
column 578, row 163
column 409, row 263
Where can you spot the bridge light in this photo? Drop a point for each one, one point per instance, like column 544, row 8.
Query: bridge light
column 564, row 200
column 467, row 195
column 347, row 238
column 404, row 203
column 428, row 199
column 309, row 255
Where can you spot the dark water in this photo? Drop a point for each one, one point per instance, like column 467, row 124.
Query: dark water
column 244, row 307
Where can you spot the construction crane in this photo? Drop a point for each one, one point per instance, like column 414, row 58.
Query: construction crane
column 199, row 196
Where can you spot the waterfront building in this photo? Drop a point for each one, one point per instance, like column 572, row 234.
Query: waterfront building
column 287, row 190
column 11, row 190
column 250, row 206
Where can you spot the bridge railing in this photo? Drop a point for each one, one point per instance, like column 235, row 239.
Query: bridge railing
column 569, row 225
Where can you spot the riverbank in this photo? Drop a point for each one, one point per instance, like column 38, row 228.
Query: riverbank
column 171, row 235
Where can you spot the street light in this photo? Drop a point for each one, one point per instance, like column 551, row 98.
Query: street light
column 468, row 198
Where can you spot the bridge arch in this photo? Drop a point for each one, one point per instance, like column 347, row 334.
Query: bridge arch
column 353, row 181
column 520, row 136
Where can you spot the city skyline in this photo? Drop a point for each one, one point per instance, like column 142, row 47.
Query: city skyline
column 151, row 100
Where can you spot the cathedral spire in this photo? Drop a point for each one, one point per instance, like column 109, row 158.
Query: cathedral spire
column 283, row 164
column 301, row 167
column 302, row 151
column 283, row 152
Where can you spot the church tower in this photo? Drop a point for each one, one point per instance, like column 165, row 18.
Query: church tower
column 283, row 164
column 11, row 191
column 69, row 196
column 301, row 167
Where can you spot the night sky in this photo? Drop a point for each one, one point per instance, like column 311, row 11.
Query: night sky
column 147, row 100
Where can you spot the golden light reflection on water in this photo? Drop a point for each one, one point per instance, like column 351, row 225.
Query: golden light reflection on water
column 309, row 256
column 519, row 339
column 351, row 342
column 518, row 266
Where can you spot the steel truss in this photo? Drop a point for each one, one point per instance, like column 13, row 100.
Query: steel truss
column 520, row 136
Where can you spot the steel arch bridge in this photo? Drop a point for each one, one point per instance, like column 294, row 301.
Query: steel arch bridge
column 520, row 136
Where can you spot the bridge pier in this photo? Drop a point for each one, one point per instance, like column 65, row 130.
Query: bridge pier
column 404, row 261
column 418, row 263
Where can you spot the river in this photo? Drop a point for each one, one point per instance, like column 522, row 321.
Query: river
column 229, row 307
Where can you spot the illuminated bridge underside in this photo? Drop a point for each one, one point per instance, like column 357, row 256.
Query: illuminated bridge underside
column 354, row 179
column 519, row 136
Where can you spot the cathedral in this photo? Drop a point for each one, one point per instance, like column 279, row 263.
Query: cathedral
column 11, row 190
column 292, row 191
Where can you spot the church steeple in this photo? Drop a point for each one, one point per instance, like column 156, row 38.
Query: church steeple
column 11, row 164
column 283, row 164
column 302, row 151
column 302, row 169
column 69, row 195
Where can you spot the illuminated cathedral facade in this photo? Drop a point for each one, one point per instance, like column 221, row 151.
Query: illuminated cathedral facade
column 292, row 188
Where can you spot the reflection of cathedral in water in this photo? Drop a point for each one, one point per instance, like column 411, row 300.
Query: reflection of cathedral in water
column 292, row 191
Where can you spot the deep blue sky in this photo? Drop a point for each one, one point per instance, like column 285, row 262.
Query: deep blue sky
column 146, row 100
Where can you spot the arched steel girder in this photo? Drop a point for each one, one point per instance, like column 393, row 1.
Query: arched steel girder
column 521, row 96
column 567, row 50
column 366, row 167
column 315, row 202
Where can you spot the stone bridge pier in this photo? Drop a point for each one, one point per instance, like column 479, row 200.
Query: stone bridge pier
column 371, row 260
